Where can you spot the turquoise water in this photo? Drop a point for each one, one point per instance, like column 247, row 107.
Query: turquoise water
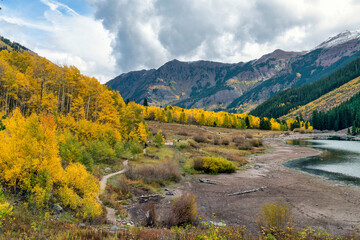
column 340, row 160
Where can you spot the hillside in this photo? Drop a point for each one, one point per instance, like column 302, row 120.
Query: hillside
column 236, row 87
column 11, row 46
column 201, row 84
column 290, row 99
column 343, row 116
column 327, row 101
column 319, row 62
column 58, row 131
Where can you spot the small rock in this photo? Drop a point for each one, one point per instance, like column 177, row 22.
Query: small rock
column 58, row 208
column 169, row 193
column 128, row 224
column 257, row 166
column 166, row 189
column 107, row 169
column 83, row 225
column 115, row 228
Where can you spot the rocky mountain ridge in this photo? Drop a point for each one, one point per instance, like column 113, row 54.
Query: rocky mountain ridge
column 237, row 87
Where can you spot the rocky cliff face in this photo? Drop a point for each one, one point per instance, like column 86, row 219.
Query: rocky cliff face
column 236, row 87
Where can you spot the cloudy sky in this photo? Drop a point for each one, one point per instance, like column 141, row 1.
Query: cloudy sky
column 105, row 38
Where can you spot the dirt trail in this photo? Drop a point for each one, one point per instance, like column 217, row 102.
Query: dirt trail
column 110, row 216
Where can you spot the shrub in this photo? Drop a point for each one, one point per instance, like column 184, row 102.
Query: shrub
column 71, row 151
column 215, row 165
column 158, row 173
column 193, row 143
column 245, row 145
column 120, row 149
column 183, row 210
column 151, row 215
column 101, row 151
column 238, row 139
column 200, row 139
column 159, row 139
column 225, row 142
column 116, row 192
column 182, row 145
column 5, row 208
column 248, row 136
column 257, row 142
column 183, row 134
column 199, row 164
column 274, row 217
column 216, row 141
column 135, row 148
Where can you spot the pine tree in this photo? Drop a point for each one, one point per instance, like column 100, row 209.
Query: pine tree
column 247, row 122
column 146, row 102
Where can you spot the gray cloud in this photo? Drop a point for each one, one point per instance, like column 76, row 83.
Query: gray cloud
column 150, row 32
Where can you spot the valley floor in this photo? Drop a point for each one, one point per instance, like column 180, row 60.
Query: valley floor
column 315, row 201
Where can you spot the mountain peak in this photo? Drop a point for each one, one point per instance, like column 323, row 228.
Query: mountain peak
column 340, row 39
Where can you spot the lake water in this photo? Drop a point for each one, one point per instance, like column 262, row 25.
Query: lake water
column 340, row 160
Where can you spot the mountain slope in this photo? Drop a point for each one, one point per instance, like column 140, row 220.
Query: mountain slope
column 319, row 62
column 237, row 87
column 327, row 101
column 283, row 102
column 343, row 116
column 200, row 84
column 6, row 44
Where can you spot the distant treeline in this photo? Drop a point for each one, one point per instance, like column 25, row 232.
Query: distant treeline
column 283, row 102
column 344, row 116
column 220, row 119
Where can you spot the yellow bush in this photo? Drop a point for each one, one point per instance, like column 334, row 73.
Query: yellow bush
column 275, row 217
column 217, row 165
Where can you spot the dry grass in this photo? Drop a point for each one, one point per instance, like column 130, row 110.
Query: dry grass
column 217, row 141
column 198, row 163
column 200, row 139
column 183, row 210
column 155, row 173
column 225, row 142
column 113, row 195
column 151, row 218
column 183, row 134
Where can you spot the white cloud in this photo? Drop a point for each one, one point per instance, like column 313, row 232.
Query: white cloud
column 125, row 35
column 64, row 37
column 150, row 32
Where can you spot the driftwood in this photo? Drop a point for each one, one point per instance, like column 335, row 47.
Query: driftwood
column 208, row 181
column 247, row 191
column 148, row 198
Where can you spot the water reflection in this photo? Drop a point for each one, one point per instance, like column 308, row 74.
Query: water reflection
column 340, row 160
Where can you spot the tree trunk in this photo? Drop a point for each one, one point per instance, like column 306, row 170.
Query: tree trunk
column 87, row 108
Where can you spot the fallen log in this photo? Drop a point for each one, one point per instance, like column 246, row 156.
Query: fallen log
column 247, row 191
column 208, row 181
